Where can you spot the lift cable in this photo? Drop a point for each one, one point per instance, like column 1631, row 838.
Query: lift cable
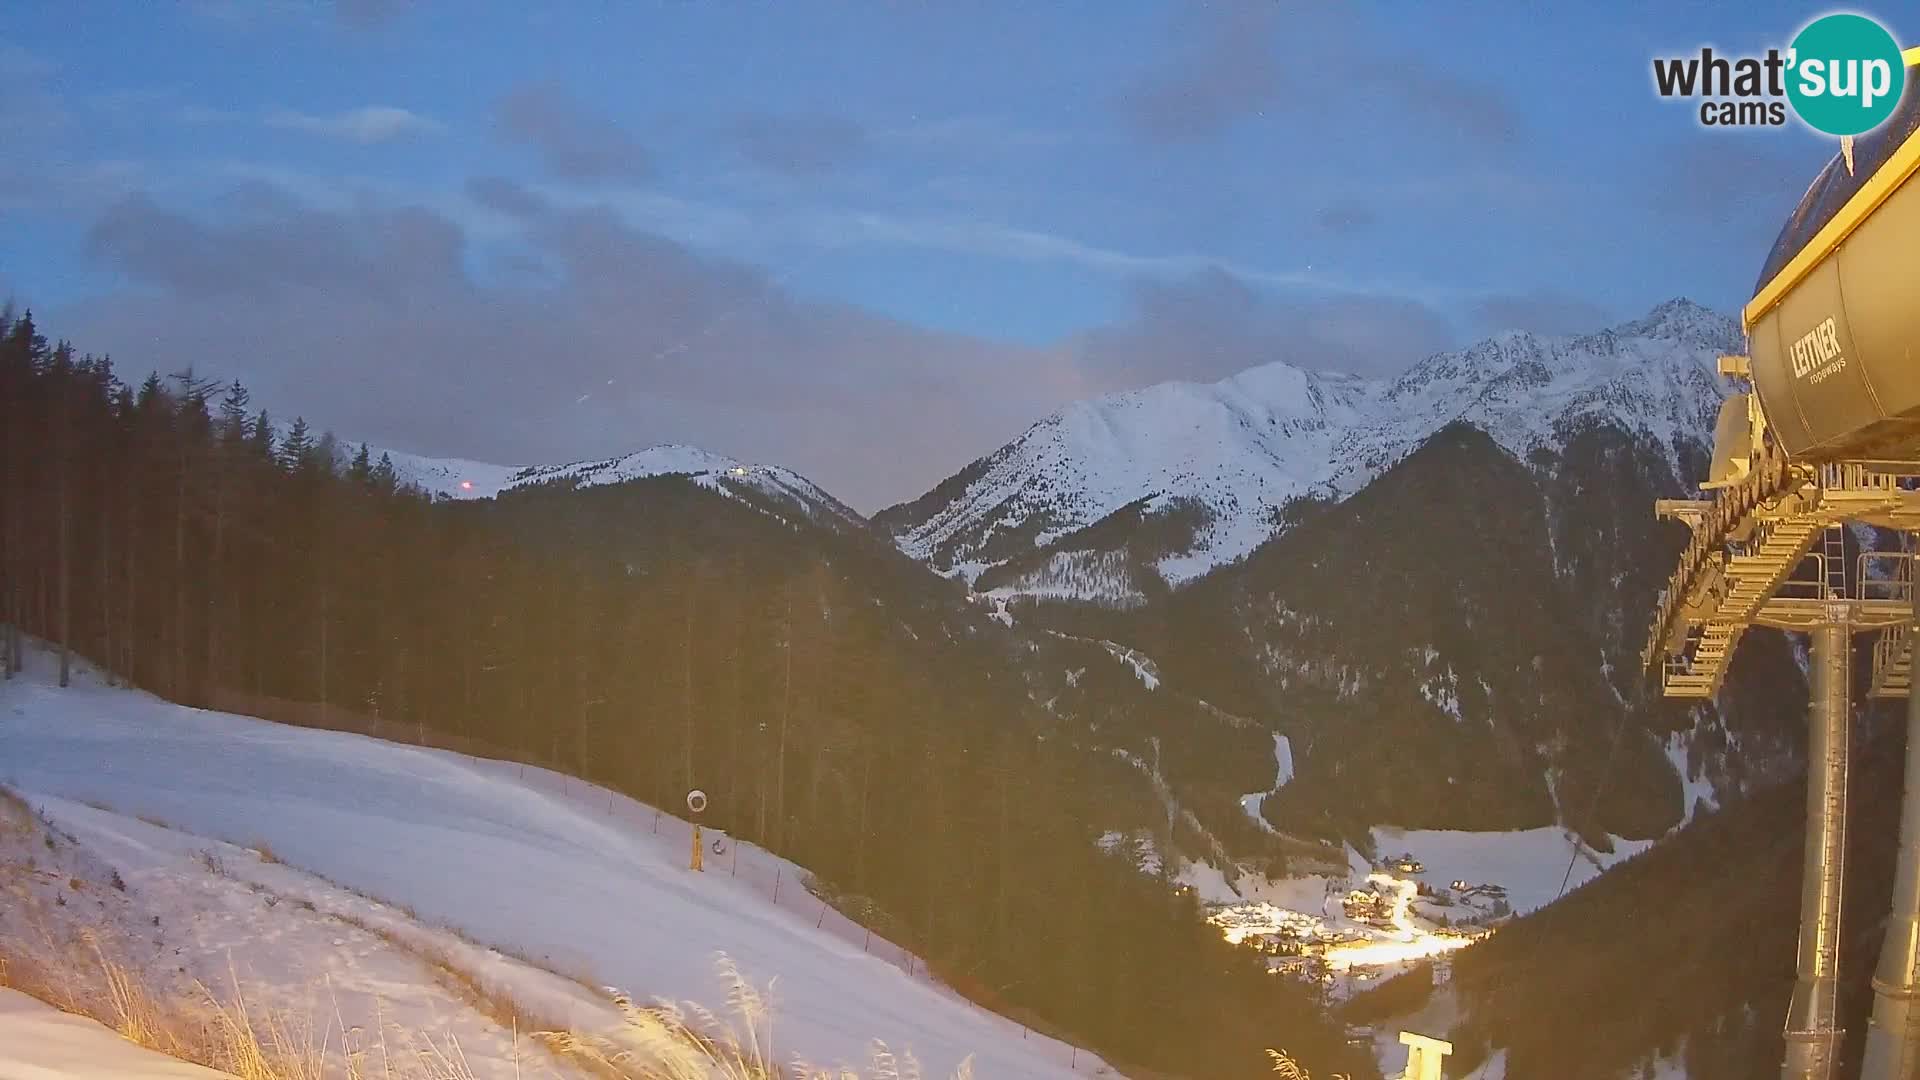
column 1606, row 774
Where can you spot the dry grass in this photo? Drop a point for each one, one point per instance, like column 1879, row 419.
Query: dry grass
column 266, row 854
column 80, row 971
column 1290, row 1069
column 664, row 1041
column 494, row 1002
column 16, row 817
column 221, row 1032
column 685, row 1041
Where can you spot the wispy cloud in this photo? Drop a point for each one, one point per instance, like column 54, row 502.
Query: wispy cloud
column 1540, row 311
column 799, row 144
column 712, row 225
column 574, row 143
column 640, row 340
column 1232, row 61
column 1212, row 324
column 369, row 124
column 1229, row 68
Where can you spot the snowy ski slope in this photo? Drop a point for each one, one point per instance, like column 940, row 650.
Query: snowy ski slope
column 568, row 875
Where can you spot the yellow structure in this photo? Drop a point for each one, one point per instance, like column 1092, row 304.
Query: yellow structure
column 1825, row 433
column 696, row 805
column 1424, row 1056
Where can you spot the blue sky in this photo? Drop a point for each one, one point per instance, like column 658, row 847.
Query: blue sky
column 867, row 239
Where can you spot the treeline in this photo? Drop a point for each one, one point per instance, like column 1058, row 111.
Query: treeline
column 1686, row 952
column 840, row 705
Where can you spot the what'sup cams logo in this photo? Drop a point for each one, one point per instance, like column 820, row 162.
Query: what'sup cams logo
column 1842, row 75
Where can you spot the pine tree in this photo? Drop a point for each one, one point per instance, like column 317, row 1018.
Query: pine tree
column 61, row 373
column 152, row 391
column 326, row 454
column 361, row 470
column 260, row 440
column 18, row 354
column 233, row 415
column 296, row 452
column 232, row 483
column 383, row 477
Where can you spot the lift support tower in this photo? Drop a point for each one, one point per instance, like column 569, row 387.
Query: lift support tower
column 1824, row 434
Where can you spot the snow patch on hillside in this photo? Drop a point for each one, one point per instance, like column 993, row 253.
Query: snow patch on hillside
column 1282, row 774
column 1103, row 577
column 1695, row 790
column 1144, row 669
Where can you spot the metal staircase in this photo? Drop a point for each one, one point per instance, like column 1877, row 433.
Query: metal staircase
column 1770, row 550
column 1892, row 664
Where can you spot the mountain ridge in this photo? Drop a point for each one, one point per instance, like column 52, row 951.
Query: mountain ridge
column 1226, row 458
column 461, row 478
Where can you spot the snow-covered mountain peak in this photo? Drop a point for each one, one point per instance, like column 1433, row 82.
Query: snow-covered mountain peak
column 1227, row 456
column 457, row 478
column 1684, row 321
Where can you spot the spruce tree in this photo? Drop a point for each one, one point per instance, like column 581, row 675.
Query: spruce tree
column 297, row 450
column 384, row 479
column 152, row 392
column 233, row 414
column 260, row 440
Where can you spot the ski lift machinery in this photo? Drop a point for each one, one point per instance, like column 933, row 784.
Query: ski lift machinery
column 1826, row 433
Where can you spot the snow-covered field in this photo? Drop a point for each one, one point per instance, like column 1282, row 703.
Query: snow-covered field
column 384, row 853
column 1530, row 863
column 38, row 1041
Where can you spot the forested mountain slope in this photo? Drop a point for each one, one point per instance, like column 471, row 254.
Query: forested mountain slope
column 1686, row 953
column 842, row 706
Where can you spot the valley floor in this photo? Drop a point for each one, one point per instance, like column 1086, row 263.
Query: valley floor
column 422, row 906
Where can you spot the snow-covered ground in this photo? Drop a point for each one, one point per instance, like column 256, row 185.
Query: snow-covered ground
column 38, row 1041
column 1529, row 864
column 195, row 919
column 385, row 853
column 459, row 478
column 1245, row 446
column 1362, row 940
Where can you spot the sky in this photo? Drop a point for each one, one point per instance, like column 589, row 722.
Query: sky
column 867, row 239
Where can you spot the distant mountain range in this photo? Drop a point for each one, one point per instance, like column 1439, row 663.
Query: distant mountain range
column 1455, row 649
column 1428, row 590
column 1109, row 498
column 1204, row 472
column 457, row 478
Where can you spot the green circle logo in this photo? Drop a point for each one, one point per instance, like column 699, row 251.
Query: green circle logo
column 1845, row 74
